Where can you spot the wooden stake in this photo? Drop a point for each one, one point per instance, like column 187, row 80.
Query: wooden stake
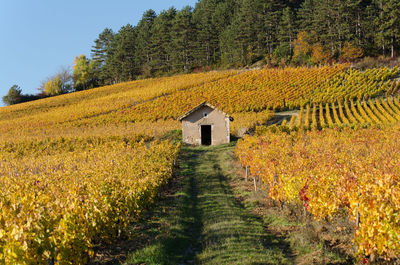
column 358, row 212
column 358, row 216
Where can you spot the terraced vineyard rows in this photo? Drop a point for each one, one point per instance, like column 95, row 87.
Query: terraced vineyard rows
column 273, row 89
column 247, row 92
column 356, row 84
column 134, row 107
column 351, row 113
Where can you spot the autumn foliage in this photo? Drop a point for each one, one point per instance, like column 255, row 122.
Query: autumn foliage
column 349, row 52
column 330, row 170
column 76, row 170
column 60, row 197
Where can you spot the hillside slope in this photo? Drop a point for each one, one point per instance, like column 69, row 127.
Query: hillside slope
column 133, row 108
column 78, row 169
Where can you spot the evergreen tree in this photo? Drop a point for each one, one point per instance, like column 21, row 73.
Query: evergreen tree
column 100, row 52
column 271, row 13
column 121, row 55
column 333, row 23
column 143, row 41
column 287, row 31
column 388, row 24
column 207, row 48
column 160, row 48
column 253, row 32
column 287, row 28
column 241, row 36
column 229, row 51
column 366, row 37
column 306, row 15
column 330, row 30
column 355, row 13
column 182, row 36
column 101, row 46
column 294, row 4
column 241, row 32
column 14, row 96
column 223, row 14
column 222, row 19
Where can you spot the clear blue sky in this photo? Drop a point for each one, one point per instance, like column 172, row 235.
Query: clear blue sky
column 37, row 37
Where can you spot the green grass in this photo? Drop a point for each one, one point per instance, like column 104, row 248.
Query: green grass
column 180, row 226
column 206, row 224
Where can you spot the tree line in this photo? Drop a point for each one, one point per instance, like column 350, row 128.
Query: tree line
column 236, row 33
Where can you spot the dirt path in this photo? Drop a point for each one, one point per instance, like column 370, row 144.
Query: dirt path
column 203, row 222
column 280, row 116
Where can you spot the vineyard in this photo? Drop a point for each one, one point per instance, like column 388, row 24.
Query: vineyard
column 135, row 107
column 77, row 169
column 329, row 171
column 77, row 112
column 276, row 89
column 338, row 169
column 60, row 197
column 355, row 114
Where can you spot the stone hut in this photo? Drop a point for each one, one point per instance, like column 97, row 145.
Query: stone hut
column 205, row 125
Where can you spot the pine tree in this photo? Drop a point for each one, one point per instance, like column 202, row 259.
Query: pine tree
column 240, row 38
column 329, row 29
column 160, row 48
column 143, row 41
column 287, row 31
column 14, row 96
column 207, row 48
column 121, row 59
column 253, row 32
column 182, row 34
column 388, row 24
column 222, row 20
column 271, row 16
column 306, row 16
column 229, row 50
column 223, row 14
column 100, row 52
column 333, row 23
column 101, row 45
column 355, row 15
column 241, row 32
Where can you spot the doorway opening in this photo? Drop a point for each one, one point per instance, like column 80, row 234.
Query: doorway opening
column 205, row 134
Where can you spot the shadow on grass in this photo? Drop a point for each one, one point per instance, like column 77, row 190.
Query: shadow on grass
column 202, row 222
column 176, row 239
column 233, row 235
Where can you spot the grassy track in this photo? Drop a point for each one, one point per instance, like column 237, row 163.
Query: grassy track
column 203, row 223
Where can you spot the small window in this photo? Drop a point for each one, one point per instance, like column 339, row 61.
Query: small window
column 205, row 114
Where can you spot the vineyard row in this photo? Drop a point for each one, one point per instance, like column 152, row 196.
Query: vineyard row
column 346, row 114
column 61, row 198
column 330, row 171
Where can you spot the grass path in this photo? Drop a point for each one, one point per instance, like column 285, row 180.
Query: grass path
column 203, row 222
